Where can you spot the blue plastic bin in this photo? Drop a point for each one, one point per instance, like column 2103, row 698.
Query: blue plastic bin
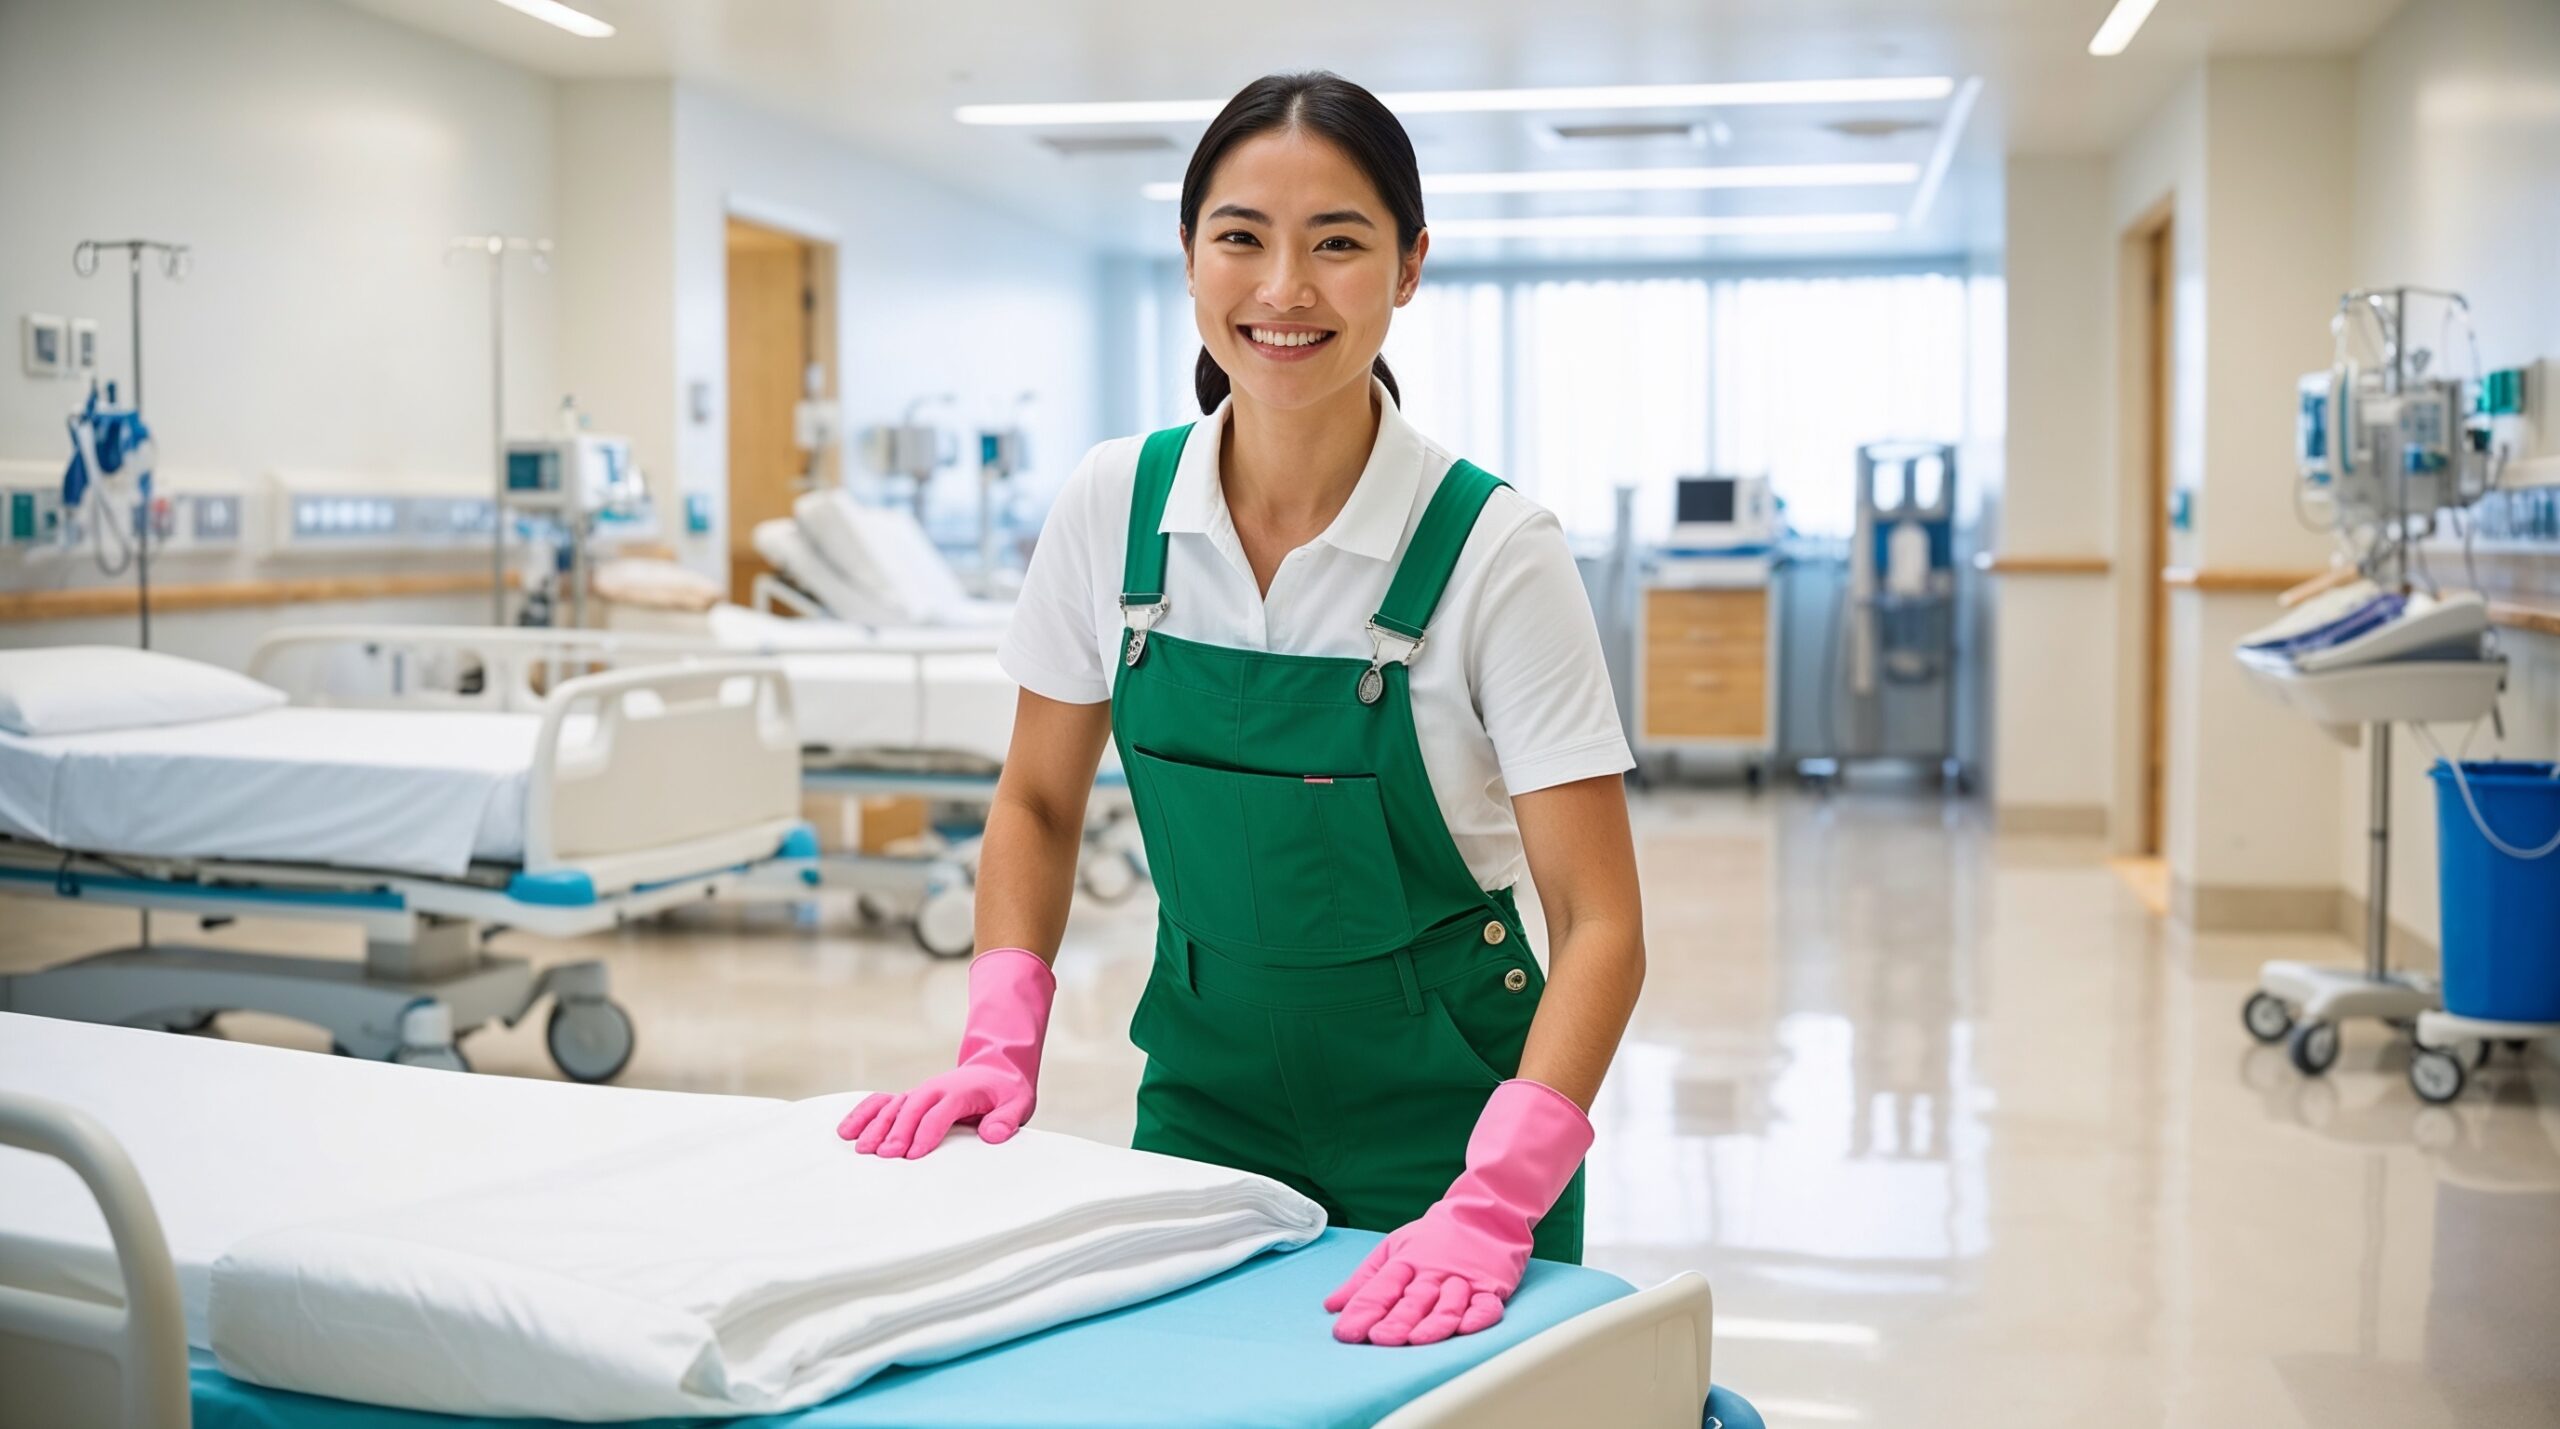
column 2501, row 914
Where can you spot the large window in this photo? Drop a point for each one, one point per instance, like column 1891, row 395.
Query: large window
column 1571, row 389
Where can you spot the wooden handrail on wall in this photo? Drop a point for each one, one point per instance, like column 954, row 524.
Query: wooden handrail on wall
column 2234, row 579
column 96, row 601
column 1997, row 564
column 2518, row 615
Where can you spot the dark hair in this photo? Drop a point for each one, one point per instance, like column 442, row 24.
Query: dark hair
column 1340, row 111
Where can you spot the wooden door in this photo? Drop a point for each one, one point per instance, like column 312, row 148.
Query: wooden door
column 777, row 291
column 2160, row 257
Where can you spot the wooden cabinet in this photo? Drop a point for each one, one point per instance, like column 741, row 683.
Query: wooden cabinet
column 1704, row 662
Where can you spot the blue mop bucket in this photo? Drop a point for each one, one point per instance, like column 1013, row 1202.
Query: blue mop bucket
column 2501, row 913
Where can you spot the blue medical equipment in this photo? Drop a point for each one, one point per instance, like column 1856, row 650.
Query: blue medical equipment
column 111, row 460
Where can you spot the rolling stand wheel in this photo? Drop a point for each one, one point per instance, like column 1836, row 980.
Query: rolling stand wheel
column 1107, row 876
column 2266, row 1017
column 2313, row 1046
column 1753, row 777
column 590, row 1038
column 2437, row 1077
column 947, row 925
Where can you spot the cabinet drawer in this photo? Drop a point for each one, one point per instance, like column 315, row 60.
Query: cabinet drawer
column 1675, row 618
column 1733, row 710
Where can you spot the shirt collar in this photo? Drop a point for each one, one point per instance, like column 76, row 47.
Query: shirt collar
column 1372, row 520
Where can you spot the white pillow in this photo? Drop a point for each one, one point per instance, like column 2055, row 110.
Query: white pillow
column 80, row 689
column 918, row 577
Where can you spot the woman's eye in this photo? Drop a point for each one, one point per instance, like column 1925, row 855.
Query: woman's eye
column 1237, row 235
column 1347, row 246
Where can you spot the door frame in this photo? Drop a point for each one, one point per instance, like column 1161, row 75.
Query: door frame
column 822, row 259
column 2146, row 339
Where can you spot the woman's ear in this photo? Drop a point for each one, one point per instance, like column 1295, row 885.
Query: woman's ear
column 1182, row 236
column 1409, row 270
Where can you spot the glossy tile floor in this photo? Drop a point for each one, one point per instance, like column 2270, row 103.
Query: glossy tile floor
column 1960, row 1133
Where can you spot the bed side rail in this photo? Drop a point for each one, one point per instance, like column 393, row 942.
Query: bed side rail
column 640, row 772
column 1640, row 1362
column 68, row 1360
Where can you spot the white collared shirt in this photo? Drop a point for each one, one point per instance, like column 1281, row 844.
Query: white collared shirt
column 1510, row 695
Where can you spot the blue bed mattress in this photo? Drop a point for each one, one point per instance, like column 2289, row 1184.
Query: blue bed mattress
column 1251, row 1348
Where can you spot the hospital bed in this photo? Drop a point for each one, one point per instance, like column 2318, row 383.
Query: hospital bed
column 870, row 565
column 913, row 713
column 183, row 1147
column 615, row 796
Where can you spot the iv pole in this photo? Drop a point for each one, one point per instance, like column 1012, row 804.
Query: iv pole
column 496, row 247
column 174, row 262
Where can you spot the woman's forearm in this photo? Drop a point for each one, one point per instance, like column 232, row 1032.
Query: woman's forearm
column 1027, row 875
column 1596, row 971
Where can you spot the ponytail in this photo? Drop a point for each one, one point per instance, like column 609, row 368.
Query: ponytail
column 1209, row 381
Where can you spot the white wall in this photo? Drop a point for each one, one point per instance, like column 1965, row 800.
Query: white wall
column 2457, row 184
column 937, row 293
column 616, row 160
column 2054, row 635
column 317, row 159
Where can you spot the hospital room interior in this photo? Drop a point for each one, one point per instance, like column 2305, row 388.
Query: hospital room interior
column 1434, row 714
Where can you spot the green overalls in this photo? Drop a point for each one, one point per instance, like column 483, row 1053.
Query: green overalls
column 1333, row 996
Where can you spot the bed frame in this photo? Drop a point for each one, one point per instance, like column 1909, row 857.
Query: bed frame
column 1636, row 1363
column 650, row 787
column 935, row 892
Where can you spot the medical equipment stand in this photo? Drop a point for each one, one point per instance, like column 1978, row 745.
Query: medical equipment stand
column 2301, row 1004
column 173, row 263
column 497, row 246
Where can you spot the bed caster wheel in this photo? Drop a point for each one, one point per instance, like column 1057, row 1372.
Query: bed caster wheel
column 871, row 910
column 447, row 1058
column 2480, row 1054
column 590, row 1039
column 2436, row 1077
column 1108, row 877
column 2313, row 1047
column 947, row 924
column 2266, row 1017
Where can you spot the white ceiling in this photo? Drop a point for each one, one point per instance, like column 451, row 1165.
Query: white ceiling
column 886, row 75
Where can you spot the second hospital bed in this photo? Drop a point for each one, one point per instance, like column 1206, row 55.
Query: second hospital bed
column 187, row 1146
column 614, row 796
column 904, row 712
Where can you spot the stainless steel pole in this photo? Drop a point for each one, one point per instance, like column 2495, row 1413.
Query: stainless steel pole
column 498, row 432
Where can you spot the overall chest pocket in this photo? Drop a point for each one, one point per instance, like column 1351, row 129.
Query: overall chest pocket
column 1275, row 862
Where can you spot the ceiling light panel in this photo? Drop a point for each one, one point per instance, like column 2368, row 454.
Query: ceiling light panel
column 1650, row 226
column 552, row 12
column 2121, row 25
column 1498, row 101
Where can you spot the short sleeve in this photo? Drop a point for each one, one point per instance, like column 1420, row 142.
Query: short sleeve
column 1541, row 680
column 1051, row 646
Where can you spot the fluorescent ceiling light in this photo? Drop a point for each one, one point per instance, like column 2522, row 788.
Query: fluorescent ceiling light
column 1730, row 176
column 1653, row 226
column 1497, row 101
column 2117, row 30
column 552, row 12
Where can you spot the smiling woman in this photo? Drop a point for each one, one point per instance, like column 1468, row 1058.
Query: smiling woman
column 1314, row 240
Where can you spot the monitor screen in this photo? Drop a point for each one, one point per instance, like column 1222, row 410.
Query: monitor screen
column 1706, row 500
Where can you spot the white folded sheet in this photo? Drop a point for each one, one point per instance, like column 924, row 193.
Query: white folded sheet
column 747, row 1269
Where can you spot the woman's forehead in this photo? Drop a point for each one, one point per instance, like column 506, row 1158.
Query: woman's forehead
column 1289, row 174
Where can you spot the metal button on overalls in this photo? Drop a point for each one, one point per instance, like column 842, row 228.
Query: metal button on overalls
column 1494, row 932
column 1515, row 980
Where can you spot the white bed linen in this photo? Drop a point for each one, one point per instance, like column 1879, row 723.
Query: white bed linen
column 890, row 696
column 234, row 1140
column 418, row 791
column 747, row 1269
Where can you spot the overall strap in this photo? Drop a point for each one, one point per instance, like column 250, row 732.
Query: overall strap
column 1424, row 572
column 1414, row 592
column 1142, row 571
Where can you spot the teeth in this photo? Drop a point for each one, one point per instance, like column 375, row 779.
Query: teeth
column 1269, row 338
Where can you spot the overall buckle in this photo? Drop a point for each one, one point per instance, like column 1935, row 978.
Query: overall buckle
column 1141, row 617
column 1373, row 681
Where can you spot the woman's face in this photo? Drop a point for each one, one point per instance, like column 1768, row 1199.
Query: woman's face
column 1294, row 270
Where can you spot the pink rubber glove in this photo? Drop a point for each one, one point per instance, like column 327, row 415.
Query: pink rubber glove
column 1449, row 1272
column 997, row 1080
